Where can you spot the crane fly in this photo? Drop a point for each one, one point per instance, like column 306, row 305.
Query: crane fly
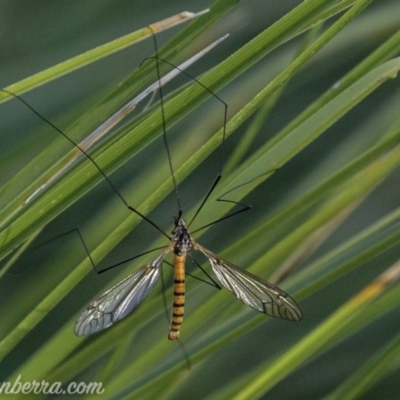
column 123, row 298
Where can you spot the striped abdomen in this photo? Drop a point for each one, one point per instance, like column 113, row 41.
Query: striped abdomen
column 178, row 308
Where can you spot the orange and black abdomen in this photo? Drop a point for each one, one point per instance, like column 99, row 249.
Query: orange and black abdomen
column 178, row 308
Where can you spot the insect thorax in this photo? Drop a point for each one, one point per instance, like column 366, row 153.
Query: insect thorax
column 182, row 238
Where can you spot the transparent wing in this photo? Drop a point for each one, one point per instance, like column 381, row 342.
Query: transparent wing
column 252, row 290
column 120, row 300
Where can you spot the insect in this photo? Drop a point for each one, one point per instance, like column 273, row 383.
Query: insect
column 125, row 296
column 122, row 298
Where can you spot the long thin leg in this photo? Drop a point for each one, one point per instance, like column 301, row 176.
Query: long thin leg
column 163, row 122
column 246, row 207
column 85, row 246
column 92, row 160
column 222, row 155
column 213, row 284
column 130, row 259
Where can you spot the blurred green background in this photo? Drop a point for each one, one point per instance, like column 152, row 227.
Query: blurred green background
column 37, row 35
